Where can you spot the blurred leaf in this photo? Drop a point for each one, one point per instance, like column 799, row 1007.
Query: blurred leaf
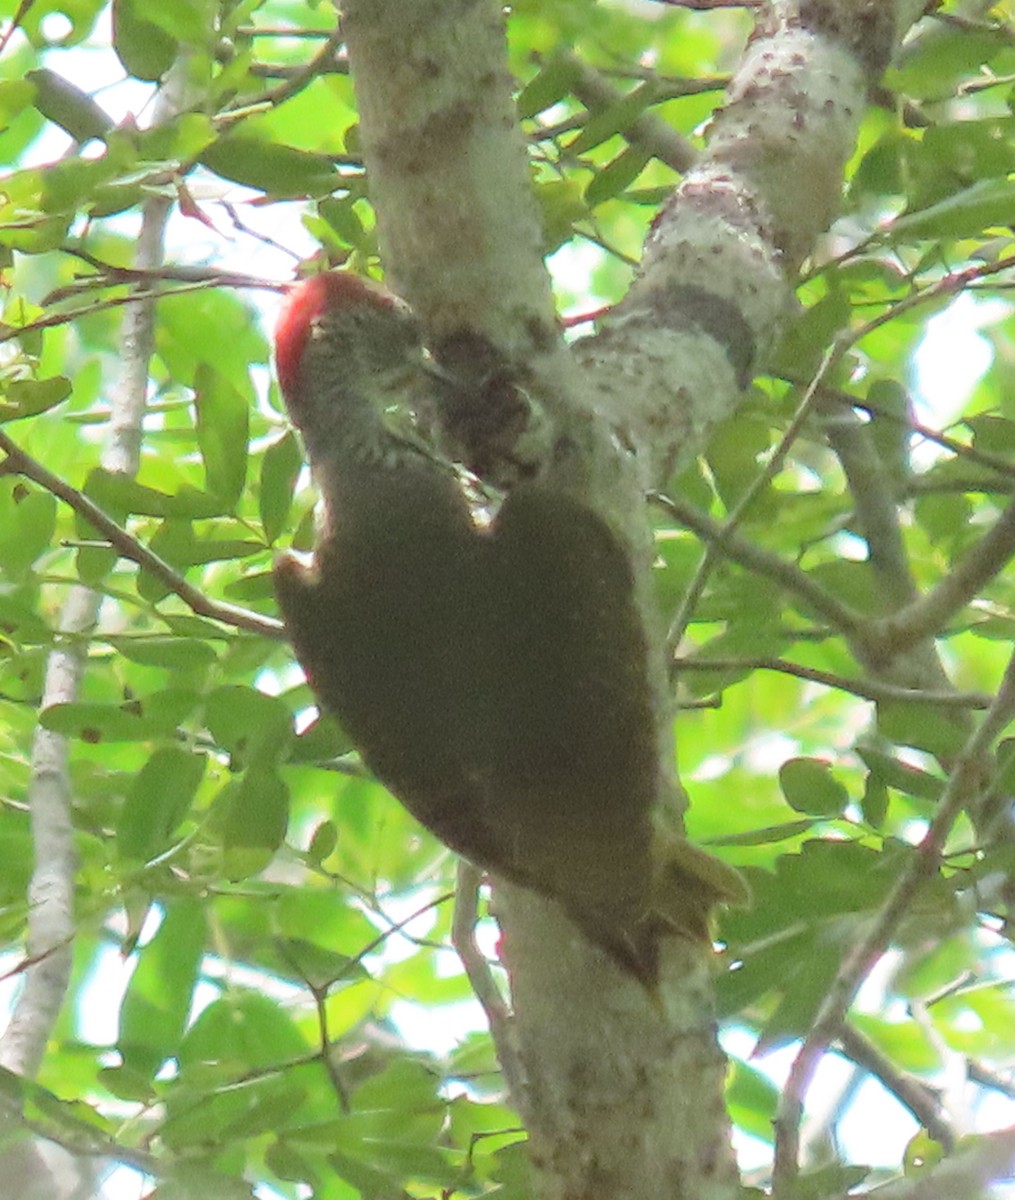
column 900, row 775
column 257, row 815
column 173, row 653
column 146, row 50
column 551, row 83
column 222, row 432
column 621, row 172
column 116, row 492
column 561, row 205
column 809, row 787
column 65, row 105
column 983, row 205
column 280, row 469
column 317, row 965
column 323, row 842
column 254, row 729
column 28, row 397
column 270, row 167
column 615, row 119
column 158, row 799
column 923, row 726
column 100, row 723
column 154, row 1011
column 27, row 527
column 753, row 1100
column 874, row 802
column 827, row 1182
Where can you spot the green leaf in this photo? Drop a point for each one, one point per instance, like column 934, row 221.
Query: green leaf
column 16, row 95
column 316, row 965
column 244, row 1028
column 280, row 469
column 154, row 1011
column 833, row 1180
column 29, row 397
column 173, row 542
column 809, row 787
column 890, row 408
column 173, row 653
column 614, row 119
column 65, row 105
column 222, row 433
column 993, row 434
column 146, row 50
column 157, row 801
column 900, row 775
column 341, row 215
column 323, row 842
column 27, row 528
column 752, row 1099
column 986, row 204
column 116, row 493
column 257, row 815
column 874, row 802
column 923, row 726
column 561, row 205
column 769, row 836
column 270, row 167
column 137, row 721
column 551, row 84
column 612, row 179
column 254, row 729
column 320, row 742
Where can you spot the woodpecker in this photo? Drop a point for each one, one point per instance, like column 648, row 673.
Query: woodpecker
column 493, row 676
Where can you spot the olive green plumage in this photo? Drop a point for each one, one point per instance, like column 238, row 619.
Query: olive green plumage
column 495, row 679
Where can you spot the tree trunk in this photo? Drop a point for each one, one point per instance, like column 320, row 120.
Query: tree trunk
column 622, row 1093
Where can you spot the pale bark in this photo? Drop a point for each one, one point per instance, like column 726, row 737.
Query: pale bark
column 622, row 1097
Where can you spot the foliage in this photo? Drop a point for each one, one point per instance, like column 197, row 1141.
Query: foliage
column 256, row 885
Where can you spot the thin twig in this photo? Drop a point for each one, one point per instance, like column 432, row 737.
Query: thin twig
column 129, row 547
column 477, row 969
column 161, row 274
column 922, row 1101
column 463, row 938
column 320, row 63
column 720, row 543
column 68, row 316
column 987, row 1078
column 866, row 689
column 845, row 619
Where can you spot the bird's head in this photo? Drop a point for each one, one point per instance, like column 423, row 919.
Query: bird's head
column 345, row 352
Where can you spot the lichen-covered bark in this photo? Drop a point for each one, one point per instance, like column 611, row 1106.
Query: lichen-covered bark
column 716, row 282
column 622, row 1094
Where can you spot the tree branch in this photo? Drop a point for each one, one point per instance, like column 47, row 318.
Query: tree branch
column 477, row 969
column 927, row 616
column 875, row 504
column 922, row 1101
column 990, row 1158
